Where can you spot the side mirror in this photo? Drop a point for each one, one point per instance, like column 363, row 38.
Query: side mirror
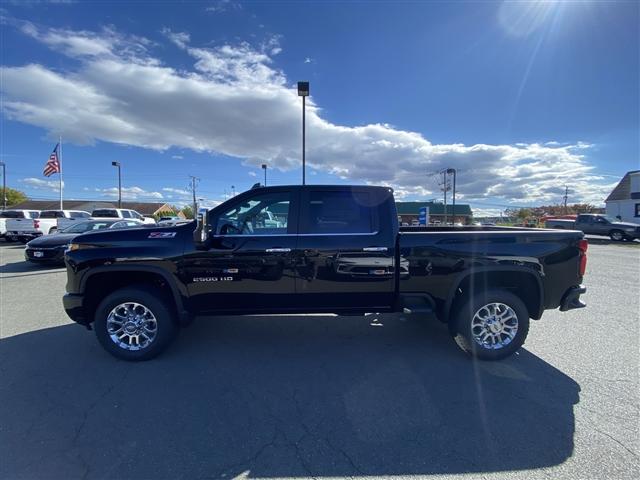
column 201, row 235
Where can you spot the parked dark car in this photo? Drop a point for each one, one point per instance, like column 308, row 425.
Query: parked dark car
column 49, row 249
column 319, row 249
column 596, row 224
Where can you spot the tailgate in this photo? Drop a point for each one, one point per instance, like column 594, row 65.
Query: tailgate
column 20, row 225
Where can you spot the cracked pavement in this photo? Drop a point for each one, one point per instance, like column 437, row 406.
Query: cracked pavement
column 321, row 396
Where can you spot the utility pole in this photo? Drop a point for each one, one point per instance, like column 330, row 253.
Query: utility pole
column 566, row 197
column 264, row 167
column 194, row 181
column 453, row 207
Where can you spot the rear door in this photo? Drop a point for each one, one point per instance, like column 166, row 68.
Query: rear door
column 345, row 249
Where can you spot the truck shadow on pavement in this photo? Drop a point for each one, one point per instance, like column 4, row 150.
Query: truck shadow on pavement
column 275, row 396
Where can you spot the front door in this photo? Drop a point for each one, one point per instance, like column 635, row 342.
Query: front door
column 249, row 266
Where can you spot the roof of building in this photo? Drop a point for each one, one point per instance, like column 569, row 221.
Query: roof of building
column 413, row 208
column 144, row 208
column 623, row 189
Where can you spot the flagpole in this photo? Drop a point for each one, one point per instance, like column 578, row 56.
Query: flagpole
column 60, row 173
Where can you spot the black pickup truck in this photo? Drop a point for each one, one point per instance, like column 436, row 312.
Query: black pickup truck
column 310, row 249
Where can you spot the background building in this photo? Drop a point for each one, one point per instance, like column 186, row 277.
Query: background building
column 624, row 200
column 408, row 212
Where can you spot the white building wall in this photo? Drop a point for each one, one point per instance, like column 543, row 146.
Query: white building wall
column 626, row 209
column 635, row 182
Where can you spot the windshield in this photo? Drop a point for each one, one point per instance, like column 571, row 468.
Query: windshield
column 86, row 227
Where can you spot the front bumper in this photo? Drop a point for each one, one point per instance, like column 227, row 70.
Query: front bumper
column 571, row 298
column 73, row 305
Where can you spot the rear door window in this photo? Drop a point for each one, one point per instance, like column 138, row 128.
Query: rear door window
column 335, row 212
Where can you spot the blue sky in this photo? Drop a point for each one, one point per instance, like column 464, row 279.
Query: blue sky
column 522, row 98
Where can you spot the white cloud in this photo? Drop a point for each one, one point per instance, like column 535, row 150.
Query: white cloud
column 220, row 6
column 177, row 191
column 177, row 157
column 39, row 184
column 235, row 102
column 130, row 193
column 252, row 173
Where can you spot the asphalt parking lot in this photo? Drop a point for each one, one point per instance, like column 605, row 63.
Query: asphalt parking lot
column 321, row 396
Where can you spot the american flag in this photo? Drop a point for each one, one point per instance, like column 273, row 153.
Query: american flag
column 53, row 164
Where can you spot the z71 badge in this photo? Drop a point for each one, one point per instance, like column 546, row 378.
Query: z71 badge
column 162, row 235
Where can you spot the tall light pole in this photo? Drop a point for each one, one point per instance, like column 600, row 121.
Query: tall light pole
column 117, row 164
column 303, row 91
column 264, row 167
column 450, row 171
column 4, row 185
column 233, row 190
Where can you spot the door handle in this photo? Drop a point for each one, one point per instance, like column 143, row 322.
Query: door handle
column 374, row 249
column 277, row 250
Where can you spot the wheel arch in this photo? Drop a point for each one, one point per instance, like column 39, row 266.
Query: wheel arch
column 527, row 285
column 101, row 281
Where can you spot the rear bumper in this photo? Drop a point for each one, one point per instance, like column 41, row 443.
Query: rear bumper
column 571, row 298
column 73, row 305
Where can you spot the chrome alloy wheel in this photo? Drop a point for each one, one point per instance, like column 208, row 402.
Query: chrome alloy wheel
column 132, row 326
column 494, row 326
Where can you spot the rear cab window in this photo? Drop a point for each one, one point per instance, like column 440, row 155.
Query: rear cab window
column 52, row 214
column 105, row 213
column 12, row 214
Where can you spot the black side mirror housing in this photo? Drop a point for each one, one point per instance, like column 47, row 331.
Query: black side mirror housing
column 202, row 234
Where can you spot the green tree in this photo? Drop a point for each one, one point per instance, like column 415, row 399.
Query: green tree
column 187, row 212
column 14, row 197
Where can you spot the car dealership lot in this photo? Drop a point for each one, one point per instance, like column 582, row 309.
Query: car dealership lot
column 321, row 396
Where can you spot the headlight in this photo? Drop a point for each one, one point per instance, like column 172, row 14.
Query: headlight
column 76, row 246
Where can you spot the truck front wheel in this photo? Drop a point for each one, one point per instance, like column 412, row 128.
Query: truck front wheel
column 134, row 324
column 490, row 325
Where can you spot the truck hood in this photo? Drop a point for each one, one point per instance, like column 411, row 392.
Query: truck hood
column 144, row 235
column 55, row 240
column 626, row 224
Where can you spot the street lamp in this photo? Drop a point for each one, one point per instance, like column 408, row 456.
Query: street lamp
column 453, row 171
column 264, row 167
column 233, row 190
column 117, row 164
column 303, row 91
column 4, row 185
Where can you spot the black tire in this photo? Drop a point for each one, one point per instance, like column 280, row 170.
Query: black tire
column 617, row 235
column 460, row 325
column 166, row 327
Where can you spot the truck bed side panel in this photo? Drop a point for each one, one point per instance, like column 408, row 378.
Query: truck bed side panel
column 440, row 261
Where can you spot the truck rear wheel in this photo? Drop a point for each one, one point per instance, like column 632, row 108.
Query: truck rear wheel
column 490, row 325
column 133, row 324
